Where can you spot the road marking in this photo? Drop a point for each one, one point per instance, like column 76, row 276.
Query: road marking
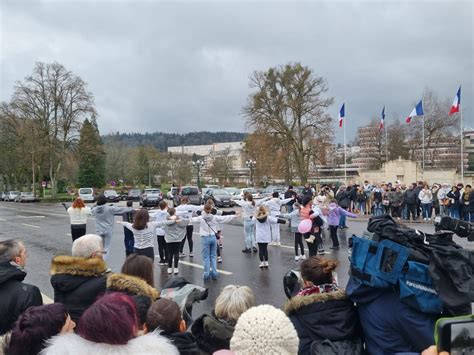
column 31, row 225
column 31, row 216
column 48, row 213
column 1, row 219
column 69, row 234
column 223, row 272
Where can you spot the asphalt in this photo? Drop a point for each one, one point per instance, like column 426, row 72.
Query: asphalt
column 45, row 230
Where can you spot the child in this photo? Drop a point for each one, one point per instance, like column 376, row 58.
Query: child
column 313, row 238
column 295, row 219
column 128, row 234
column 160, row 216
column 334, row 215
column 174, row 236
column 164, row 315
column 263, row 233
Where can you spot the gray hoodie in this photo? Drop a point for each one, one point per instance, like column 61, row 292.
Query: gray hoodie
column 104, row 217
column 176, row 232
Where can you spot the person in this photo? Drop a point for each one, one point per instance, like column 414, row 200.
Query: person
column 313, row 237
column 466, row 202
column 127, row 233
column 165, row 315
column 368, row 193
column 454, row 202
column 307, row 191
column 187, row 211
column 263, row 233
column 78, row 214
column 322, row 313
column 174, row 236
column 334, row 215
column 110, row 326
column 344, row 201
column 15, row 295
column 434, row 190
column 35, row 326
column 207, row 229
column 160, row 216
column 290, row 193
column 104, row 220
column 426, row 199
column 411, row 201
column 248, row 210
column 264, row 330
column 79, row 279
column 132, row 286
column 376, row 197
column 213, row 331
column 144, row 232
column 295, row 219
column 140, row 266
column 274, row 207
column 360, row 199
column 443, row 199
column 386, row 194
column 396, row 200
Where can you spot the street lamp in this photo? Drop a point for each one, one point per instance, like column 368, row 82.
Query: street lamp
column 251, row 164
column 198, row 164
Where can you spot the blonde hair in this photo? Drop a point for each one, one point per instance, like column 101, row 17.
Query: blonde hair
column 233, row 301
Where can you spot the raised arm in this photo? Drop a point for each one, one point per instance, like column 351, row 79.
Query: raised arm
column 285, row 201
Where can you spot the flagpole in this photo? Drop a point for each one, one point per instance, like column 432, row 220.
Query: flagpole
column 345, row 147
column 386, row 142
column 462, row 143
column 423, row 142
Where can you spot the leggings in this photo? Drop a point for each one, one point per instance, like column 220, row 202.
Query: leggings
column 299, row 243
column 173, row 253
column 263, row 251
column 129, row 241
column 189, row 237
column 147, row 252
column 162, row 250
column 77, row 231
column 333, row 231
column 317, row 242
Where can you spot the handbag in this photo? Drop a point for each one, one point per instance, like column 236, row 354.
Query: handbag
column 217, row 235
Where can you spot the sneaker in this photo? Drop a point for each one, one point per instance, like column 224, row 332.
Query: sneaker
column 297, row 258
column 321, row 252
column 265, row 264
column 176, row 271
column 170, row 270
column 262, row 264
column 303, row 257
column 191, row 255
column 182, row 255
column 271, row 243
column 278, row 244
column 219, row 259
column 246, row 250
column 162, row 262
column 254, row 249
column 221, row 246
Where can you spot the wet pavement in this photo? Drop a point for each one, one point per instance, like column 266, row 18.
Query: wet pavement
column 45, row 230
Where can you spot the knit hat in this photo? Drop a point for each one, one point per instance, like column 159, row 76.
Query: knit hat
column 264, row 330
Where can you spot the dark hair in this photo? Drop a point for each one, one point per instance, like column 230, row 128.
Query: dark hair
column 129, row 203
column 165, row 315
column 34, row 327
column 275, row 194
column 318, row 270
column 101, row 200
column 140, row 266
column 467, row 185
column 112, row 319
column 306, row 200
column 249, row 198
column 143, row 304
column 163, row 204
column 171, row 211
column 141, row 219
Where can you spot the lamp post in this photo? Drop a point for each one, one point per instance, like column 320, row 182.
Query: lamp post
column 198, row 164
column 251, row 164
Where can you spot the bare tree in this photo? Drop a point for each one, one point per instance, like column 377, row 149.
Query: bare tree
column 290, row 105
column 221, row 165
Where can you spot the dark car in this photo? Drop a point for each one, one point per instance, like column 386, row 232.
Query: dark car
column 191, row 192
column 221, row 197
column 134, row 194
column 111, row 196
column 151, row 197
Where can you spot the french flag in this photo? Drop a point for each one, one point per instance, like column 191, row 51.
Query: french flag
column 456, row 103
column 342, row 114
column 417, row 111
column 382, row 119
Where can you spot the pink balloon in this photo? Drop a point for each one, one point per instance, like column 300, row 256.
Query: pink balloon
column 305, row 226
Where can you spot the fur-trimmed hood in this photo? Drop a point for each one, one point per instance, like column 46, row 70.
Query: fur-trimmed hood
column 131, row 285
column 77, row 266
column 297, row 302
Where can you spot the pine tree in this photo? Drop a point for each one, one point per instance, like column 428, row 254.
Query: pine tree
column 91, row 156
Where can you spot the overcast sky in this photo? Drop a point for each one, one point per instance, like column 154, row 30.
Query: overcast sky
column 185, row 66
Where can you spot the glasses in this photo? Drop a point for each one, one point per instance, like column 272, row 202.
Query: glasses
column 99, row 252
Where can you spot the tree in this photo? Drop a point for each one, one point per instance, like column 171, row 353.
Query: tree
column 221, row 165
column 57, row 101
column 397, row 146
column 289, row 104
column 90, row 156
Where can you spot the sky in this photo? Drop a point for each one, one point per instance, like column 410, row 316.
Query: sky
column 182, row 66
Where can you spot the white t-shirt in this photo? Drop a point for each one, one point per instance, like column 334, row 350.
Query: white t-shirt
column 144, row 238
column 79, row 215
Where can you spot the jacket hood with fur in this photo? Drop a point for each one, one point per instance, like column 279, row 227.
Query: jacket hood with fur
column 76, row 266
column 297, row 302
column 131, row 285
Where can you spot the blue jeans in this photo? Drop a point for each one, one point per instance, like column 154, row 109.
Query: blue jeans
column 361, row 206
column 342, row 220
column 249, row 230
column 454, row 212
column 378, row 209
column 427, row 208
column 129, row 241
column 208, row 253
column 469, row 216
column 405, row 212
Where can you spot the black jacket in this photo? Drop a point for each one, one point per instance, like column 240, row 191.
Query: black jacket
column 325, row 316
column 185, row 342
column 15, row 296
column 410, row 196
column 456, row 195
column 211, row 334
column 343, row 199
column 77, row 282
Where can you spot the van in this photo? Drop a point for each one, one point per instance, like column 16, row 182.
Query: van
column 87, row 194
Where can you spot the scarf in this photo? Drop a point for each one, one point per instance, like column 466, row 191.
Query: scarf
column 324, row 288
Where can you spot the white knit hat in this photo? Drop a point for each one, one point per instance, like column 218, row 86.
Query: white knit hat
column 264, row 330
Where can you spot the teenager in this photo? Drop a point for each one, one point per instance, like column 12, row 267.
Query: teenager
column 334, row 214
column 160, row 216
column 186, row 211
column 78, row 214
column 248, row 211
column 127, row 233
column 263, row 233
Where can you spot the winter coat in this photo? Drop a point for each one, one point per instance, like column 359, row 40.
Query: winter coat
column 322, row 316
column 361, row 196
column 335, row 214
column 425, row 196
column 411, row 196
column 77, row 282
column 15, row 296
column 377, row 195
column 396, row 198
column 343, row 199
column 176, row 232
column 185, row 342
column 454, row 196
column 131, row 285
column 211, row 333
column 471, row 202
column 443, row 193
column 263, row 232
column 104, row 217
column 209, row 223
column 79, row 215
column 73, row 344
column 294, row 217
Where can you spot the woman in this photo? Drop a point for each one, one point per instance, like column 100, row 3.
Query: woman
column 248, row 210
column 186, row 210
column 313, row 237
column 78, row 213
column 466, row 203
column 214, row 331
column 208, row 228
column 321, row 312
column 376, row 197
column 110, row 326
column 386, row 199
column 396, row 199
column 35, row 326
column 263, row 233
column 360, row 200
column 139, row 266
column 454, row 203
column 175, row 234
column 426, row 199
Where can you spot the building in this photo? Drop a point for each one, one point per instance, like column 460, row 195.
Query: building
column 469, row 150
column 372, row 148
column 445, row 154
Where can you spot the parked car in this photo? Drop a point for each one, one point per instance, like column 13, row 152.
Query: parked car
column 268, row 192
column 26, row 197
column 151, row 197
column 111, row 196
column 191, row 192
column 221, row 197
column 87, row 194
column 232, row 190
column 239, row 195
column 4, row 196
column 134, row 194
column 173, row 191
column 12, row 195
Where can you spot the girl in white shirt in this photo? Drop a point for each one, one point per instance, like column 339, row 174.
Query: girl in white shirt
column 78, row 214
column 248, row 211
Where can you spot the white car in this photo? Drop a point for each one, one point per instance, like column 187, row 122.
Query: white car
column 86, row 194
column 239, row 195
column 12, row 195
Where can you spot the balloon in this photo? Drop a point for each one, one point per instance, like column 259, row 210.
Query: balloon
column 305, row 226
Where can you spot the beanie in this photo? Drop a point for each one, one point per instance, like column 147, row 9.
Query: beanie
column 264, row 330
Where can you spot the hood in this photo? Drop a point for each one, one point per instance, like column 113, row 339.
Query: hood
column 71, row 265
column 332, row 206
column 10, row 272
column 206, row 216
column 208, row 326
column 185, row 342
column 262, row 219
column 99, row 209
column 297, row 302
column 131, row 285
column 359, row 293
